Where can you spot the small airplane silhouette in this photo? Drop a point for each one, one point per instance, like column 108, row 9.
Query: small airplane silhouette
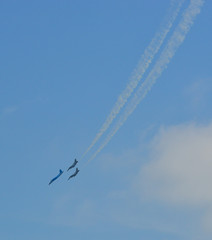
column 73, row 165
column 73, row 175
column 60, row 173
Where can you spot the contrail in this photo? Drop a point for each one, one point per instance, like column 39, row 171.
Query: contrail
column 142, row 66
column 167, row 54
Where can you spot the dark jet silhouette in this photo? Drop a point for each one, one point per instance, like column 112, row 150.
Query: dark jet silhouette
column 60, row 173
column 73, row 175
column 73, row 165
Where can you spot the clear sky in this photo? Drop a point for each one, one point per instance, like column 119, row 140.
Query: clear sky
column 63, row 65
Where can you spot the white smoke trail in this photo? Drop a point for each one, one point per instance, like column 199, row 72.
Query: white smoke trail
column 174, row 42
column 142, row 66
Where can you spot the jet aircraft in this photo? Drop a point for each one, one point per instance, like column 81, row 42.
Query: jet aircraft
column 73, row 165
column 73, row 175
column 60, row 173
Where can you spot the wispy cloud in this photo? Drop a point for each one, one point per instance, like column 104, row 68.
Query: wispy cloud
column 171, row 193
column 9, row 110
column 180, row 171
column 71, row 212
column 178, row 176
column 198, row 92
column 207, row 221
column 145, row 61
column 167, row 54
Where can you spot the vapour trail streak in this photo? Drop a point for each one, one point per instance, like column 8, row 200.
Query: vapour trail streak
column 142, row 66
column 167, row 54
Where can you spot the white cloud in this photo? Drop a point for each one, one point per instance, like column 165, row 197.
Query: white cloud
column 180, row 171
column 172, row 191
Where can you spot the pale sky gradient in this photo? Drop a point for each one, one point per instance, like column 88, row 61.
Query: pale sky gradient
column 63, row 65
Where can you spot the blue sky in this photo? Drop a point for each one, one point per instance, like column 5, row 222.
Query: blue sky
column 63, row 65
